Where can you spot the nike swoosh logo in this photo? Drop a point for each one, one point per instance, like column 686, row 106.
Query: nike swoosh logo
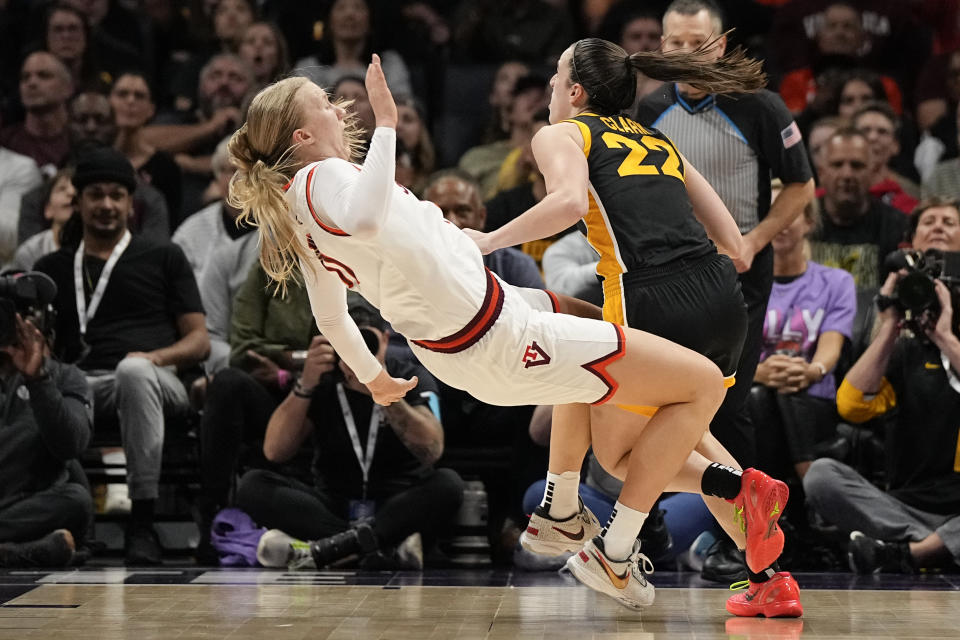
column 620, row 582
column 572, row 536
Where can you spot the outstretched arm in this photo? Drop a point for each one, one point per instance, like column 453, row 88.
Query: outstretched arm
column 328, row 301
column 560, row 158
column 361, row 209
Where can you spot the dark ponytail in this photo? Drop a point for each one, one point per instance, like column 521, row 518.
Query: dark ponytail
column 609, row 75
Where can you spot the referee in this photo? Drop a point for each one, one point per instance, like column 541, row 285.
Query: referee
column 738, row 143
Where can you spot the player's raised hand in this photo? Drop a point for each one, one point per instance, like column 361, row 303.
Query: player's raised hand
column 381, row 100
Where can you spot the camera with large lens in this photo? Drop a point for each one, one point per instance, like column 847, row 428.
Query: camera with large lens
column 915, row 294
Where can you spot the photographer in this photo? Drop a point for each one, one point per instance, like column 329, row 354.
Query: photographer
column 916, row 522
column 369, row 460
column 46, row 422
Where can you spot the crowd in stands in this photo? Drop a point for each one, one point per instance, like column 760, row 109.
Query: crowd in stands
column 114, row 169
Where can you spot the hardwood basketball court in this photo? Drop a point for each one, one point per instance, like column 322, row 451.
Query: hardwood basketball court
column 182, row 603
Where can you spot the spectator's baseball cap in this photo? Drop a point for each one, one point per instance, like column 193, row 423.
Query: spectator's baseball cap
column 104, row 164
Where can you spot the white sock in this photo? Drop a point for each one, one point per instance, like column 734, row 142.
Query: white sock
column 560, row 495
column 621, row 531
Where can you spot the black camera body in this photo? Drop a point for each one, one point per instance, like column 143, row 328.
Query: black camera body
column 915, row 294
column 31, row 294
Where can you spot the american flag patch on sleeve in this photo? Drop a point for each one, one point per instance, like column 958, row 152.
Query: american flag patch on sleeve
column 791, row 135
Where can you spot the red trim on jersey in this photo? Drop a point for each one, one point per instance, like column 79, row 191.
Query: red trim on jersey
column 478, row 325
column 553, row 300
column 599, row 366
column 316, row 218
column 351, row 282
column 327, row 258
column 287, row 186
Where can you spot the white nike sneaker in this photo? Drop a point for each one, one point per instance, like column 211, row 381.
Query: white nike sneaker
column 624, row 581
column 277, row 549
column 550, row 537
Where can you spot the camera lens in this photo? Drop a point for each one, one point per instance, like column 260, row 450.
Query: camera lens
column 916, row 292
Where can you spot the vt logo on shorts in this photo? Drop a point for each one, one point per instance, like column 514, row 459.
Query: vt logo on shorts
column 534, row 356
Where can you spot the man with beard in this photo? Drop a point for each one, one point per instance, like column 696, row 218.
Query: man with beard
column 858, row 230
column 45, row 88
column 224, row 82
column 136, row 322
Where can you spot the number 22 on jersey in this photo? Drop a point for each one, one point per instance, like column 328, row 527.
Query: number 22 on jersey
column 633, row 164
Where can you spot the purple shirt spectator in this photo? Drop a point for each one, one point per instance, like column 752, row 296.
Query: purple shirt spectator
column 822, row 299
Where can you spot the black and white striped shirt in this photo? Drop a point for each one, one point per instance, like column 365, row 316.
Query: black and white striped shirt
column 739, row 143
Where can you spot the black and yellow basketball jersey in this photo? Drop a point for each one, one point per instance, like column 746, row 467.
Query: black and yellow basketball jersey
column 640, row 216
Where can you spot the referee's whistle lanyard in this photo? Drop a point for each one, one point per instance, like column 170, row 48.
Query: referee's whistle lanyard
column 85, row 313
column 366, row 461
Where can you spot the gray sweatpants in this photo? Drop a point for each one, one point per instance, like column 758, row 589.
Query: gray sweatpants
column 848, row 500
column 139, row 394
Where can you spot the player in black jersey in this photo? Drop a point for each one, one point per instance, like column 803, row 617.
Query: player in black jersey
column 668, row 249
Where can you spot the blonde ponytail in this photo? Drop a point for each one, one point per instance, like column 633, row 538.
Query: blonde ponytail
column 264, row 161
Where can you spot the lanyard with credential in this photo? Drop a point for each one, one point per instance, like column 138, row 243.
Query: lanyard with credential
column 365, row 461
column 84, row 313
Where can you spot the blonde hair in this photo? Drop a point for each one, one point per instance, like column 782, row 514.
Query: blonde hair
column 265, row 159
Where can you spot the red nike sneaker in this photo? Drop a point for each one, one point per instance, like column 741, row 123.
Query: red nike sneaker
column 778, row 597
column 759, row 504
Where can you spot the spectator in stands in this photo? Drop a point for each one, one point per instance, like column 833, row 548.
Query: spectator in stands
column 346, row 48
column 858, row 230
column 915, row 523
column 501, row 99
column 224, row 81
column 18, row 175
column 117, row 34
column 216, row 223
column 881, row 127
column 67, row 36
column 138, row 321
column 230, row 21
column 635, row 27
column 45, row 88
column 413, row 132
column 369, row 461
column 820, row 133
column 457, row 195
column 944, row 179
column 133, row 107
column 264, row 49
column 857, row 89
column 46, row 424
column 530, row 189
column 268, row 336
column 58, row 196
column 91, row 120
column 148, row 220
column 809, row 316
column 492, row 31
column 841, row 44
column 352, row 89
column 484, row 162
